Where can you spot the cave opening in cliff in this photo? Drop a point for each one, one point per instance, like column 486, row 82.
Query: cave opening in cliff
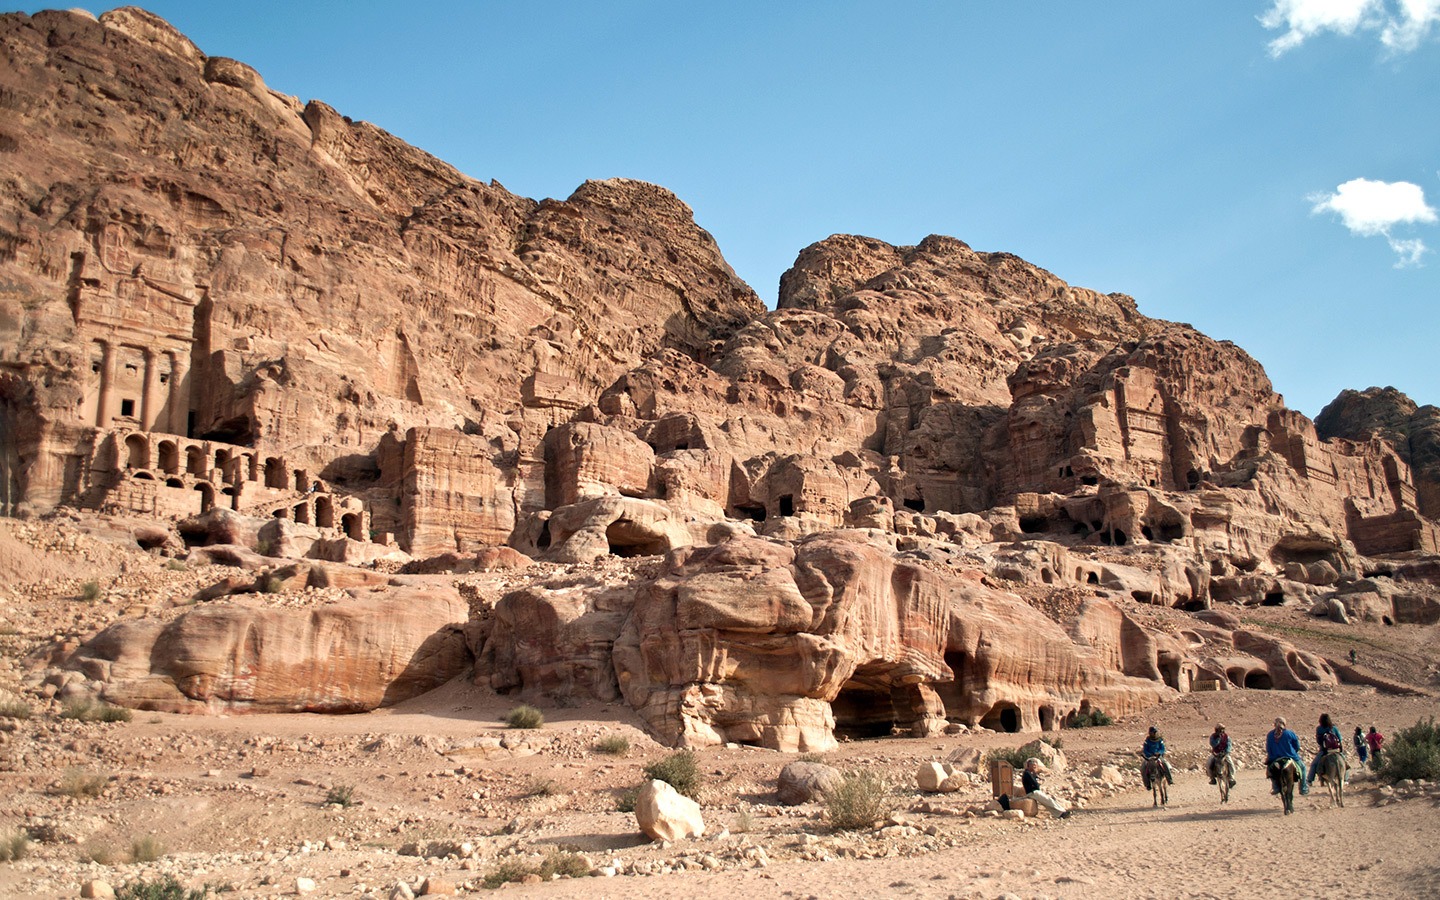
column 195, row 461
column 324, row 512
column 274, row 473
column 753, row 512
column 1274, row 598
column 1033, row 524
column 1169, row 671
column 1259, row 680
column 952, row 693
column 207, row 497
column 239, row 430
column 543, row 541
column 353, row 526
column 627, row 539
column 1002, row 717
column 787, row 504
column 1047, row 718
column 917, row 505
column 863, row 710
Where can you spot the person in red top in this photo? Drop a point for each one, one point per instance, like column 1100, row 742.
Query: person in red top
column 1219, row 749
column 1374, row 739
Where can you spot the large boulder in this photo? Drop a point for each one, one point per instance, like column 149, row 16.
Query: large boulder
column 802, row 782
column 664, row 814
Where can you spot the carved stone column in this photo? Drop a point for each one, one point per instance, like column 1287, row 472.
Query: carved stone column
column 149, row 404
column 177, row 406
column 103, row 412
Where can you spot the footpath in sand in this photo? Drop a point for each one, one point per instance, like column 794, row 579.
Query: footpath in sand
column 238, row 803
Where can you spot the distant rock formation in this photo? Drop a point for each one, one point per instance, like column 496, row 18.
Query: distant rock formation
column 934, row 487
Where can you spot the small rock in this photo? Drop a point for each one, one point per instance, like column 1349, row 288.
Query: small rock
column 401, row 891
column 98, row 889
column 436, row 886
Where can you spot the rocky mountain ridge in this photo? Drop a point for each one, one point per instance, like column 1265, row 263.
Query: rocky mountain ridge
column 929, row 489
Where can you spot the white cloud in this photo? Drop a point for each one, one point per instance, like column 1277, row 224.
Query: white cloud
column 1402, row 24
column 1372, row 208
column 1417, row 17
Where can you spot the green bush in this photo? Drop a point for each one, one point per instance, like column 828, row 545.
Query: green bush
column 271, row 584
column 146, row 849
column 176, row 565
column 95, row 851
column 614, row 745
column 166, row 888
column 1095, row 718
column 569, row 865
column 1412, row 753
column 86, row 710
column 14, row 709
column 625, row 800
column 14, row 845
column 90, row 591
column 340, row 795
column 81, row 783
column 108, row 713
column 860, row 800
column 525, row 716
column 1015, row 757
column 680, row 770
column 510, row 870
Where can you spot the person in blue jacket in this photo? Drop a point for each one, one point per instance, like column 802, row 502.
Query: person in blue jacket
column 1327, row 740
column 1282, row 743
column 1154, row 748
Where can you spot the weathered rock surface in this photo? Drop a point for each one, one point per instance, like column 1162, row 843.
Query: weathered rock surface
column 805, row 782
column 935, row 488
column 348, row 657
column 664, row 814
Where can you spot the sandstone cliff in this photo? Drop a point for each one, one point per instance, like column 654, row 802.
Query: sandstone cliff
column 933, row 486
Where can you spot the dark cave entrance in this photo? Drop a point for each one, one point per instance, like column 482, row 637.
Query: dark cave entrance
column 1002, row 717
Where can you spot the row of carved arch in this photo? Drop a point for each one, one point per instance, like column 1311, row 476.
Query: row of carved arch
column 174, row 457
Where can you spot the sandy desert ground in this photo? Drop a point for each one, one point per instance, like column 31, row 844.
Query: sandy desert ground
column 237, row 802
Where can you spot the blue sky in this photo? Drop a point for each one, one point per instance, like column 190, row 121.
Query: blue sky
column 1192, row 155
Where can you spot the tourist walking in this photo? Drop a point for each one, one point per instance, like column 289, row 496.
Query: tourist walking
column 1375, row 739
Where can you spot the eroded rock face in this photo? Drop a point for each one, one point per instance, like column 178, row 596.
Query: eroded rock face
column 338, row 658
column 936, row 486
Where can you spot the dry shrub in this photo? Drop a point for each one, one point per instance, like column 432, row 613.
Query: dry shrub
column 861, row 800
column 525, row 716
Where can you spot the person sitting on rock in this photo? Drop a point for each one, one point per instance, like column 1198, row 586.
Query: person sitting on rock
column 1282, row 743
column 1327, row 740
column 1154, row 748
column 1030, row 780
column 1219, row 749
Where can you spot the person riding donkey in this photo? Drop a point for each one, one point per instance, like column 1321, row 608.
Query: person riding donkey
column 1328, row 740
column 1280, row 744
column 1154, row 748
column 1219, row 749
